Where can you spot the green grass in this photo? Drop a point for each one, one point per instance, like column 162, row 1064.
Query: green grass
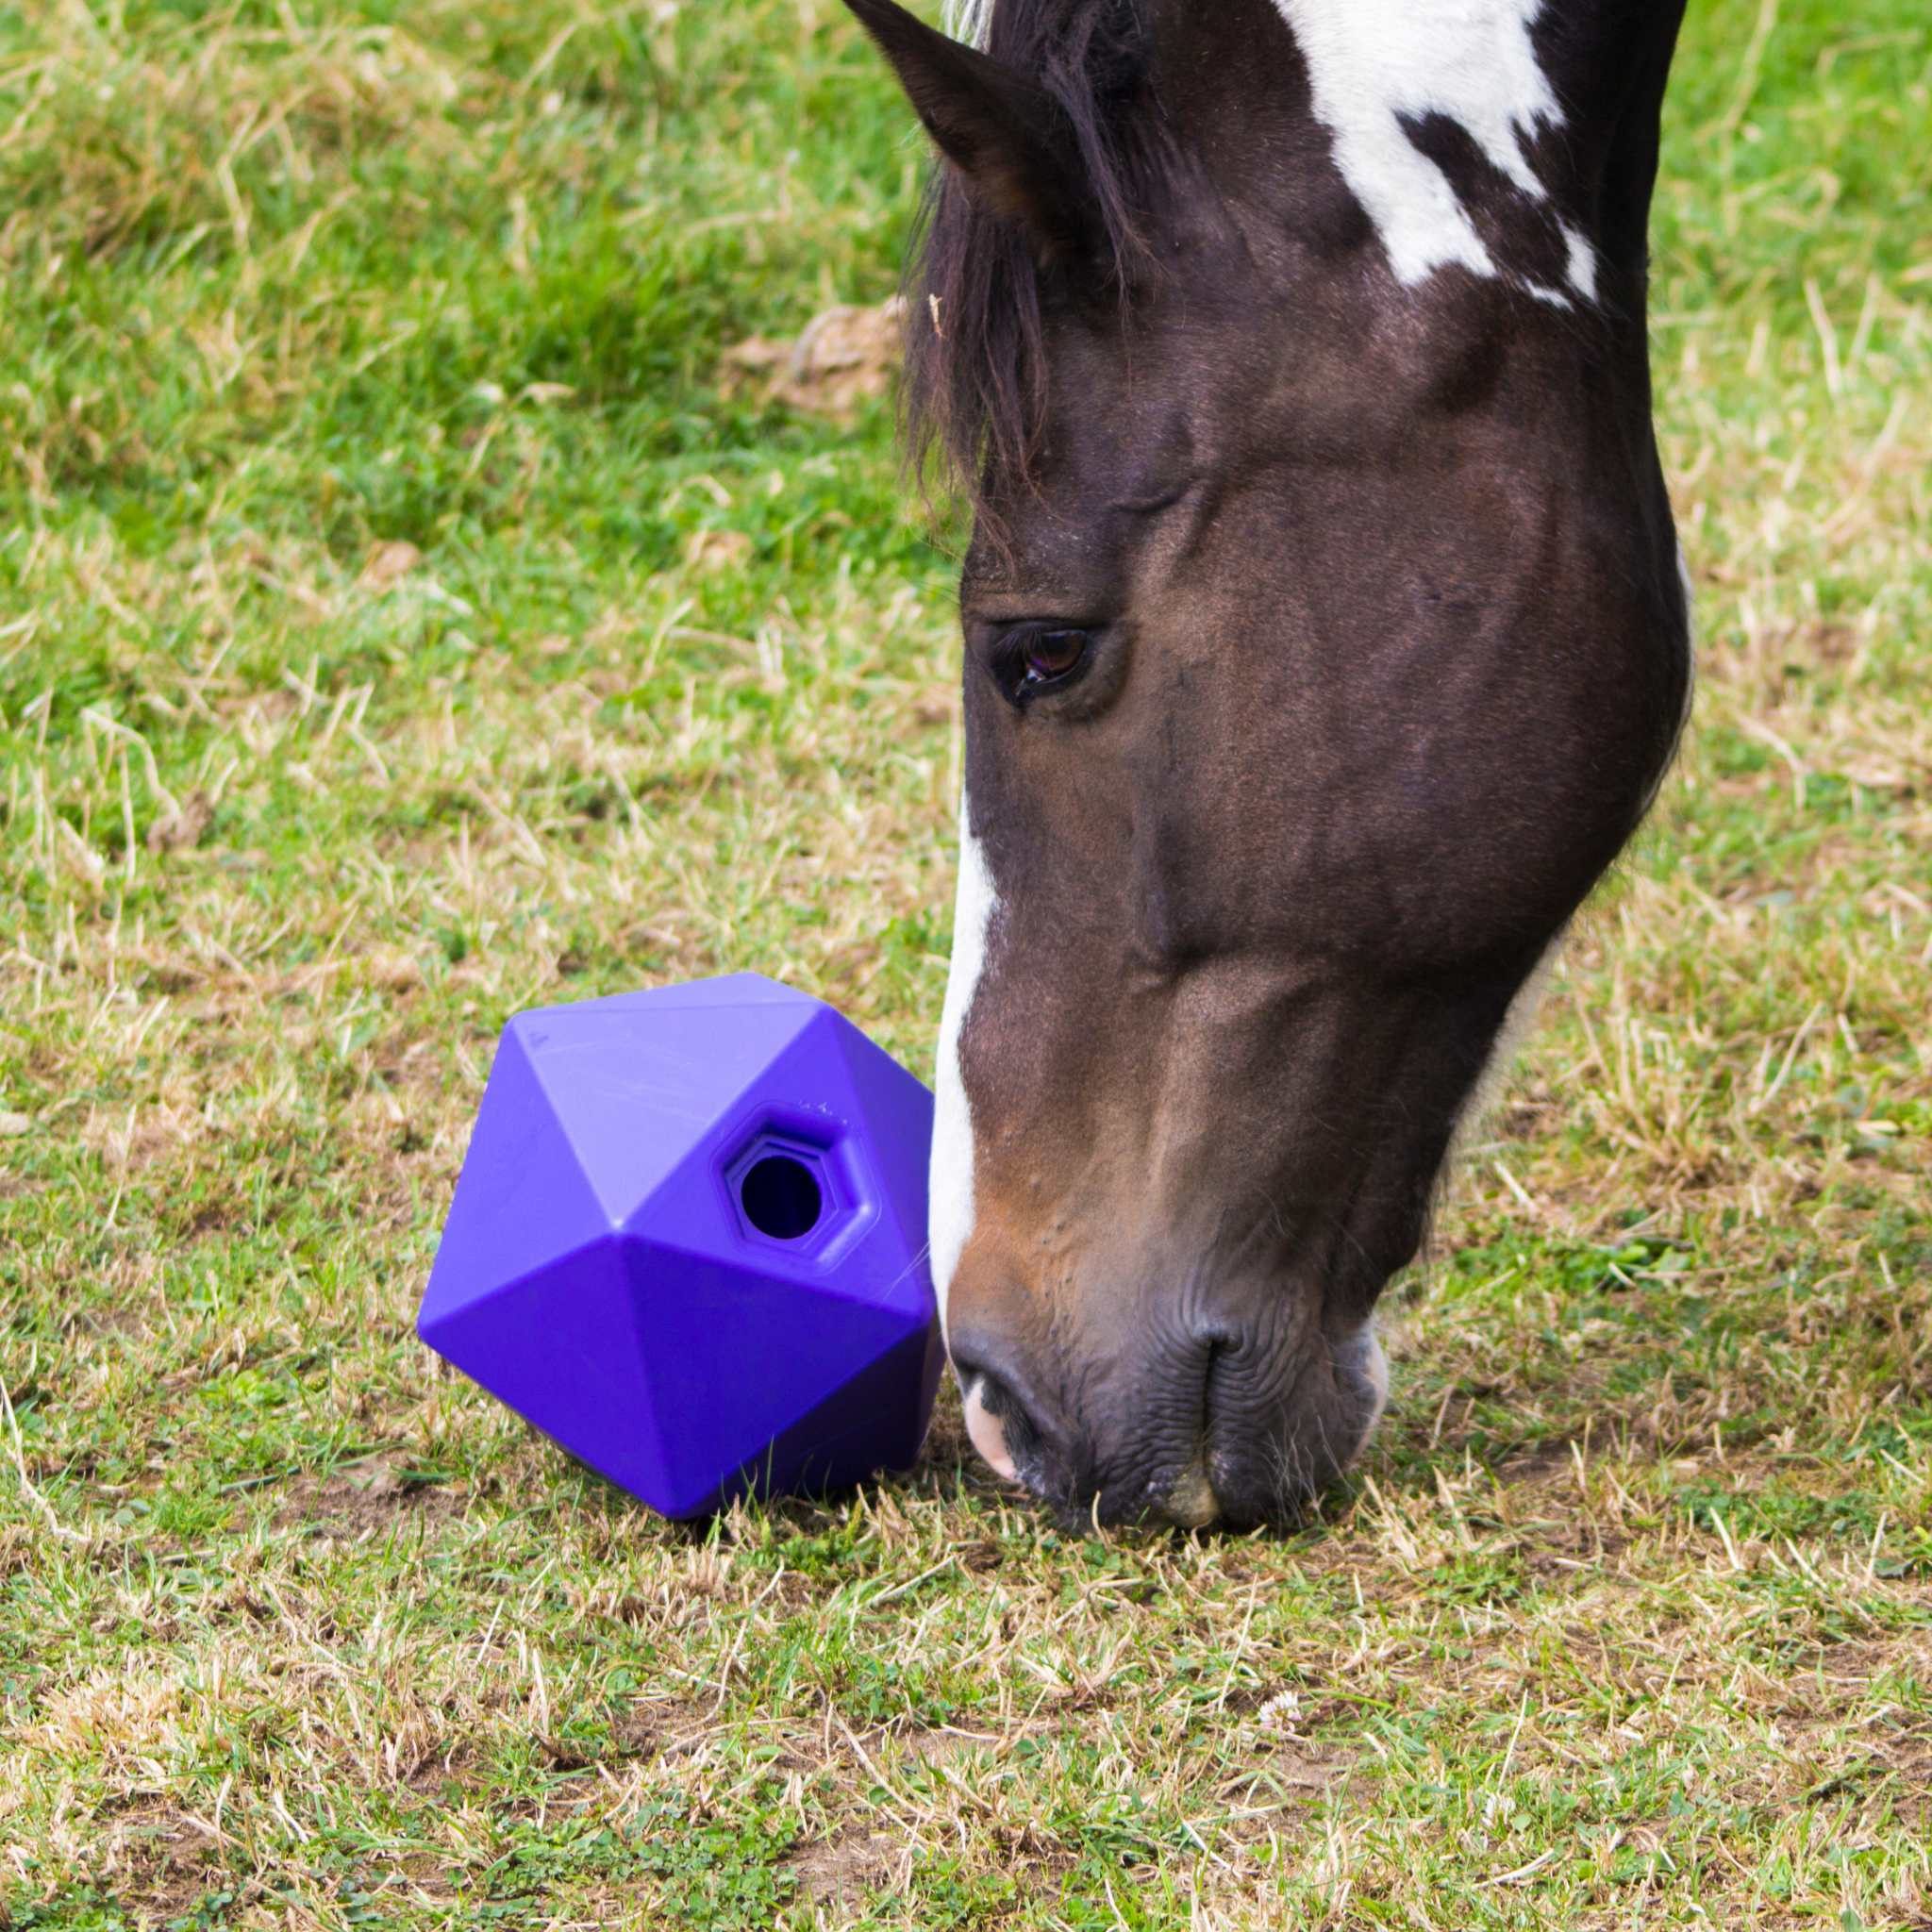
column 1627, row 1617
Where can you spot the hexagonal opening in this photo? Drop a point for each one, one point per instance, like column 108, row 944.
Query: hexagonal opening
column 791, row 1190
column 781, row 1196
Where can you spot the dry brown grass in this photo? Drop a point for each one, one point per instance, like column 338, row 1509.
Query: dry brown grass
column 310, row 782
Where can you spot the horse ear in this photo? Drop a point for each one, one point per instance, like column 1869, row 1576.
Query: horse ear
column 1003, row 132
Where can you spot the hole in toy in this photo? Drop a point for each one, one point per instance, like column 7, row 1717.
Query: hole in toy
column 781, row 1198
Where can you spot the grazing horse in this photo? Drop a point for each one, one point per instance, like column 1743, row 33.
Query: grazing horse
column 1325, row 638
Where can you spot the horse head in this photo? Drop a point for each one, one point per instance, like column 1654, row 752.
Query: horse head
column 1324, row 641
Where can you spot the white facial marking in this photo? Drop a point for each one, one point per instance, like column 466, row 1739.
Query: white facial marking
column 1372, row 62
column 949, row 1186
column 988, row 1432
column 1582, row 264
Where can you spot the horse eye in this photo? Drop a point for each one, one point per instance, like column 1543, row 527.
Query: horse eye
column 1055, row 653
column 1030, row 659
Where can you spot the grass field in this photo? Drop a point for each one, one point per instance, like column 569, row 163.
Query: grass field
column 402, row 620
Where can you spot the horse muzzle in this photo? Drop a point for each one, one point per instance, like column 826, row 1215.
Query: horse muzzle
column 1238, row 1424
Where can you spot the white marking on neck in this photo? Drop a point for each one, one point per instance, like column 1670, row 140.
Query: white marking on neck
column 950, row 1209
column 1372, row 62
column 1517, row 1018
column 1689, row 642
column 1372, row 1365
column 1656, row 784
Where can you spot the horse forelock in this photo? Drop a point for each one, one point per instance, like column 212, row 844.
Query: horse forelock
column 976, row 370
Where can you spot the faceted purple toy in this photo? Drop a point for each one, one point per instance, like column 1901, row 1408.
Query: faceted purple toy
column 689, row 1242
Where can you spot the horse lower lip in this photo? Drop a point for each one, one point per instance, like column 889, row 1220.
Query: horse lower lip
column 987, row 1434
column 1192, row 1502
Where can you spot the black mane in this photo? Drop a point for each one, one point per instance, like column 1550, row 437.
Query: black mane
column 975, row 374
